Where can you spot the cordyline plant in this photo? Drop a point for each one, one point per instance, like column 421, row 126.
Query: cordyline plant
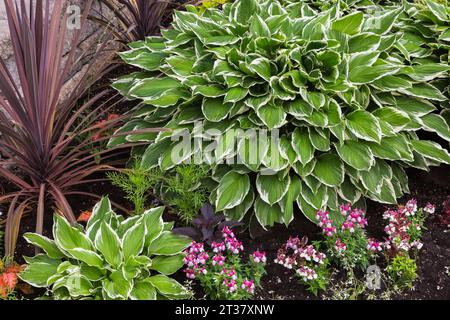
column 46, row 143
column 346, row 101
column 112, row 259
column 135, row 19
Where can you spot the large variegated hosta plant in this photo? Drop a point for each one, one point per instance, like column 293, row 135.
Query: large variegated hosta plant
column 346, row 100
column 112, row 259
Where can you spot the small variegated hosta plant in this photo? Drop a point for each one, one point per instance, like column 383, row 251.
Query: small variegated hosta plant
column 346, row 101
column 112, row 259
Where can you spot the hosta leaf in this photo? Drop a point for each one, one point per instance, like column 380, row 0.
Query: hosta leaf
column 266, row 214
column 39, row 269
column 252, row 150
column 259, row 28
column 154, row 224
column 144, row 59
column 350, row 24
column 154, row 88
column 426, row 91
column 431, row 150
column 355, row 154
column 261, row 67
column 143, row 291
column 48, row 245
column 329, row 170
column 272, row 188
column 393, row 116
column 168, row 287
column 436, row 123
column 368, row 74
column 167, row 265
column 302, row 145
column 235, row 94
column 215, row 110
column 232, row 190
column 272, row 116
column 108, row 243
column 392, row 148
column 180, row 65
column 389, row 83
column 168, row 244
column 429, row 71
column 364, row 125
column 317, row 199
column 381, row 24
column 287, row 204
column 134, row 239
column 319, row 139
column 365, row 42
column 210, row 91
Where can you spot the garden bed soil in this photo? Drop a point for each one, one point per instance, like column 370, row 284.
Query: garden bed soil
column 280, row 283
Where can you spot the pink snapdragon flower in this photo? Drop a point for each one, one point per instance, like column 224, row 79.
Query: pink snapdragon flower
column 218, row 247
column 429, row 208
column 232, row 286
column 374, row 245
column 340, row 246
column 249, row 285
column 218, row 260
column 259, row 257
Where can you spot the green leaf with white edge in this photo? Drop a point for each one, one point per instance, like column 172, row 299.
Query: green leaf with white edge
column 287, row 151
column 320, row 139
column 38, row 270
column 436, row 123
column 108, row 243
column 365, row 42
column 349, row 24
column 392, row 148
column 154, row 88
column 235, row 94
column 251, row 150
column 426, row 91
column 413, row 106
column 169, row 287
column 150, row 61
column 154, row 224
column 367, row 74
column 238, row 213
column 89, row 257
column 77, row 285
column 431, row 150
column 396, row 118
column 307, row 209
column 134, row 239
column 273, row 116
column 261, row 66
column 302, row 145
column 428, row 71
column 364, row 125
column 259, row 28
column 232, row 189
column 117, row 286
column 48, row 245
column 372, row 179
column 266, row 214
column 329, row 170
column 215, row 110
column 272, row 188
column 355, row 154
column 317, row 199
column 143, row 290
column 167, row 265
column 390, row 83
column 287, row 203
column 209, row 91
column 168, row 244
column 68, row 237
column 182, row 66
column 382, row 24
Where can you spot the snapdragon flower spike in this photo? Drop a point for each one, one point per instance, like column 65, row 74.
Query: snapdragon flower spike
column 235, row 246
column 326, row 223
column 190, row 274
column 411, row 207
column 227, row 233
column 231, row 285
column 218, row 247
column 218, row 260
column 374, row 245
column 196, row 247
column 249, row 286
column 429, row 208
column 340, row 246
column 307, row 273
column 259, row 257
column 345, row 208
column 357, row 218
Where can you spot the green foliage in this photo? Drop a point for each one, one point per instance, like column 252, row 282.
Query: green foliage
column 402, row 271
column 184, row 190
column 208, row 4
column 112, row 259
column 343, row 88
column 136, row 183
